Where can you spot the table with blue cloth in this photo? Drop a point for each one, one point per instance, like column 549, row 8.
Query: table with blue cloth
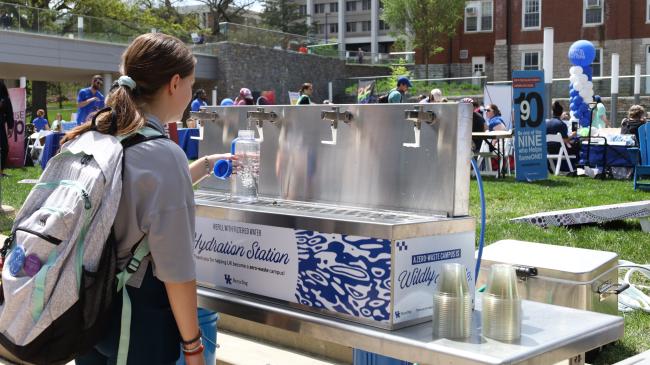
column 189, row 145
column 51, row 146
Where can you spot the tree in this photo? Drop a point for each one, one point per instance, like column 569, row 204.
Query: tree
column 225, row 10
column 285, row 16
column 431, row 22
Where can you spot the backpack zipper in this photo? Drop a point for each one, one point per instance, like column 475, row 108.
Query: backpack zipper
column 69, row 183
column 48, row 238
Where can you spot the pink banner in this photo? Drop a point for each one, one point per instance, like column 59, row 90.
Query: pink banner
column 16, row 158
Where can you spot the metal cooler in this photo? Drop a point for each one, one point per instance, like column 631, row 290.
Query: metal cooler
column 567, row 276
column 359, row 207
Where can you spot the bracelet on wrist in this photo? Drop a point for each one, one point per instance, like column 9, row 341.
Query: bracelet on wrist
column 194, row 339
column 206, row 162
column 197, row 351
column 192, row 348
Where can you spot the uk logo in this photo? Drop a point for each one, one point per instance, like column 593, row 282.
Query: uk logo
column 397, row 314
column 228, row 279
column 401, row 246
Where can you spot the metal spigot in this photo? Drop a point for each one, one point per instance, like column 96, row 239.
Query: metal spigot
column 417, row 116
column 334, row 116
column 259, row 116
column 203, row 117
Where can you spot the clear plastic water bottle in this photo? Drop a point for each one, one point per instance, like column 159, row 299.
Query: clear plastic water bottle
column 247, row 150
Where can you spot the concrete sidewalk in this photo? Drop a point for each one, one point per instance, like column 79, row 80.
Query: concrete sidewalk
column 236, row 350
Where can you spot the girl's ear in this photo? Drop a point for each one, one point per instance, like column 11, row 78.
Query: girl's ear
column 174, row 84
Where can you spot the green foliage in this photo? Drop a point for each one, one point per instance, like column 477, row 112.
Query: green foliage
column 284, row 15
column 388, row 83
column 428, row 23
column 327, row 50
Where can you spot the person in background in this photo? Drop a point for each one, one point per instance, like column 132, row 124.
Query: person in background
column 600, row 115
column 90, row 99
column 396, row 95
column 5, row 20
column 40, row 123
column 556, row 125
column 245, row 97
column 478, row 123
column 635, row 118
column 262, row 100
column 495, row 122
column 57, row 123
column 303, row 49
column 227, row 102
column 6, row 125
column 305, row 94
column 200, row 99
column 435, row 96
column 565, row 116
column 360, row 56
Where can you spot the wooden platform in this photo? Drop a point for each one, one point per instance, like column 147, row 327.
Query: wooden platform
column 596, row 214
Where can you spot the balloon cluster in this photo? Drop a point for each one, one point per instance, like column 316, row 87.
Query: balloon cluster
column 581, row 89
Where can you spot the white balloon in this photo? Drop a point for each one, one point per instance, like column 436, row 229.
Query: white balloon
column 589, row 85
column 575, row 70
column 573, row 79
column 578, row 85
column 583, row 78
column 583, row 93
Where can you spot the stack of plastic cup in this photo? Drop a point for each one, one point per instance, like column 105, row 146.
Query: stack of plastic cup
column 502, row 305
column 452, row 303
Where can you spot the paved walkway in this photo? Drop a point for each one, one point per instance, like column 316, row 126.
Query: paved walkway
column 236, row 350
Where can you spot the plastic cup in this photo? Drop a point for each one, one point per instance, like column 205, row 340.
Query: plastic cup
column 501, row 314
column 452, row 313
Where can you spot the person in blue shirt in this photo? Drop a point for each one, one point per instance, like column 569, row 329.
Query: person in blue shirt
column 493, row 115
column 90, row 99
column 40, row 123
column 199, row 100
column 397, row 94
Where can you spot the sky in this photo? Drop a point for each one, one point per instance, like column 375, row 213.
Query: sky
column 256, row 7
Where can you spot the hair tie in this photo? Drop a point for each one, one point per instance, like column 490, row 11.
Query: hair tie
column 126, row 81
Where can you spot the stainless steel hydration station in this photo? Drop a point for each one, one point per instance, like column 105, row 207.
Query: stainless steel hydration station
column 359, row 206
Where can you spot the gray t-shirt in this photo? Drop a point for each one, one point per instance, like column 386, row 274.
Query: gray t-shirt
column 157, row 201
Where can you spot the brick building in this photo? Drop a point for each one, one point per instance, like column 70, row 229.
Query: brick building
column 509, row 34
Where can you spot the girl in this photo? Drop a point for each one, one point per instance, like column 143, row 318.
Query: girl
column 40, row 123
column 305, row 94
column 157, row 203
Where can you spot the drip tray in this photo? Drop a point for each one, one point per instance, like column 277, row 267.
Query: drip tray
column 325, row 217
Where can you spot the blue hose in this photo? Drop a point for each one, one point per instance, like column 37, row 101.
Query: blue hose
column 481, row 240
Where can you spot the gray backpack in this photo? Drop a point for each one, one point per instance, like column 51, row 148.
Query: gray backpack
column 59, row 274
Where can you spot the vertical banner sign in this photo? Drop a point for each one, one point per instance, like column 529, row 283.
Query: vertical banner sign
column 365, row 91
column 16, row 157
column 530, row 126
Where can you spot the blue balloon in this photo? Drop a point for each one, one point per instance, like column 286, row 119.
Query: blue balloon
column 574, row 107
column 227, row 102
column 578, row 99
column 573, row 91
column 582, row 53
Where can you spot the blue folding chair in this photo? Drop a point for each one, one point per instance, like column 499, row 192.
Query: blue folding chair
column 642, row 168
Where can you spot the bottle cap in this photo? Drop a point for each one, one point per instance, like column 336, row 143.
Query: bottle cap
column 16, row 260
column 223, row 169
column 32, row 265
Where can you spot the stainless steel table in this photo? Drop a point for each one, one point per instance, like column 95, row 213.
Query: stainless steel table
column 549, row 333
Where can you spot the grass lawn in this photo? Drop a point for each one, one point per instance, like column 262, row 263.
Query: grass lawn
column 507, row 199
column 69, row 107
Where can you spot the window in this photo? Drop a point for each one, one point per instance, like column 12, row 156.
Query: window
column 647, row 11
column 593, row 12
column 334, row 7
column 302, row 10
column 319, row 8
column 478, row 16
column 321, row 28
column 530, row 61
column 351, row 6
column 334, row 28
column 365, row 26
column 383, row 25
column 365, row 4
column 532, row 14
column 351, row 27
column 597, row 65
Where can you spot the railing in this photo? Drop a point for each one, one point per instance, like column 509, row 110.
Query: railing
column 28, row 19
